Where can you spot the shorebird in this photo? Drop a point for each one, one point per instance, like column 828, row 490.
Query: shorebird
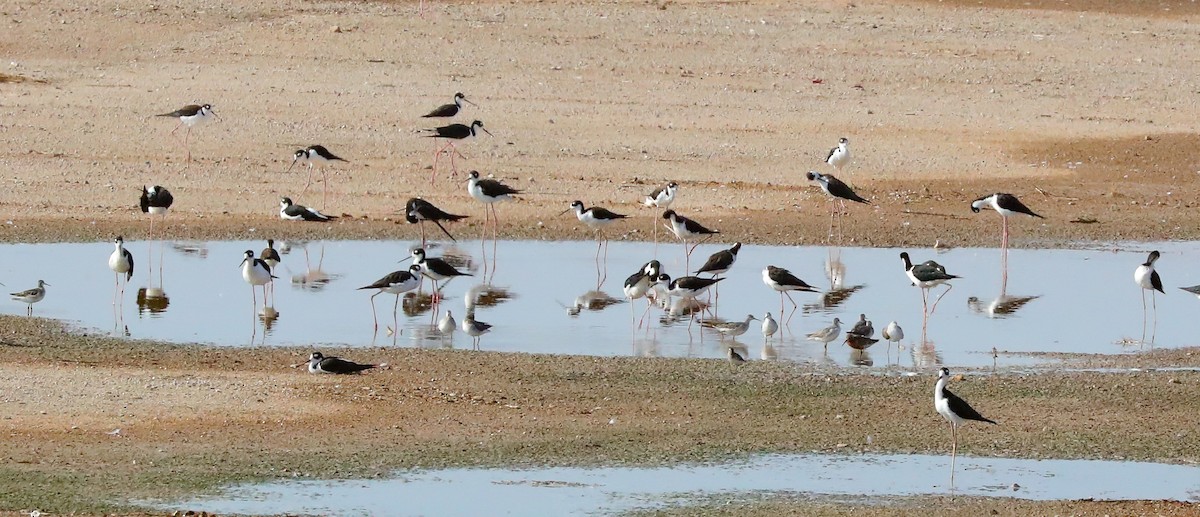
column 1195, row 289
column 417, row 211
column 489, row 192
column 474, row 328
column 863, row 327
column 155, row 201
column 686, row 229
column 836, row 189
column 121, row 261
column 859, row 342
column 435, row 269
column 782, row 280
column 687, row 286
column 255, row 271
column 316, row 155
column 271, row 257
column 597, row 219
column 1006, row 205
column 1147, row 278
column 661, row 198
column 447, row 325
column 827, row 334
column 31, row 296
column 839, row 156
column 451, row 133
column 769, row 326
column 720, row 262
column 955, row 410
column 731, row 328
column 293, row 212
column 638, row 285
column 318, row 363
column 397, row 283
column 449, row 110
column 191, row 115
column 734, row 356
column 893, row 333
column 927, row 275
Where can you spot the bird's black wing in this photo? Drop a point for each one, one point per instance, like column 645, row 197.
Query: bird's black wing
column 960, row 407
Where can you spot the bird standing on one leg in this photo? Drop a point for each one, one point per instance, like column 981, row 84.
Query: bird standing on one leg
column 955, row 410
column 1006, row 205
column 835, row 188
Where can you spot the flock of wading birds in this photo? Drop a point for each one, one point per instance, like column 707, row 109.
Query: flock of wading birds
column 648, row 282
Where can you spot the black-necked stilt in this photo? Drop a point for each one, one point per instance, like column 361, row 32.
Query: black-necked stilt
column 862, row 327
column 838, row 190
column 731, row 328
column 639, row 284
column 435, row 269
column 769, row 326
column 955, row 410
column 316, row 156
column 121, row 262
column 474, row 328
column 449, row 110
column 687, row 286
column 190, row 116
column 451, row 133
column 489, row 192
column 255, row 271
column 318, row 363
column 927, row 275
column 271, row 256
column 1006, row 205
column 893, row 334
column 446, row 325
column 660, row 198
column 155, row 201
column 31, row 296
column 720, row 262
column 1147, row 278
column 839, row 156
column 293, row 212
column 597, row 219
column 782, row 280
column 397, row 283
column 417, row 211
column 827, row 334
column 685, row 230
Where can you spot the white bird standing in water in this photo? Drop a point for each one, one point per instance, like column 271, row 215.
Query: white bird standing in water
column 121, row 262
column 893, row 333
column 769, row 326
column 1147, row 278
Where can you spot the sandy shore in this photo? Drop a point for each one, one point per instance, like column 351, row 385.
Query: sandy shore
column 1081, row 110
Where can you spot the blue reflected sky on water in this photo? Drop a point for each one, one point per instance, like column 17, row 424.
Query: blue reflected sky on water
column 1074, row 300
column 610, row 490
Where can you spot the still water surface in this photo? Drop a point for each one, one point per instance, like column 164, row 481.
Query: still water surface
column 542, row 297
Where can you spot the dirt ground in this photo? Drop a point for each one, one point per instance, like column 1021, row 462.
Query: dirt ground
column 1086, row 110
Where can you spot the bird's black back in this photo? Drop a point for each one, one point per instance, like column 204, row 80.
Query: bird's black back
column 839, row 189
column 960, row 407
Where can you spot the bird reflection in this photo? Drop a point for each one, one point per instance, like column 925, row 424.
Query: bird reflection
column 152, row 300
column 1002, row 306
column 861, row 358
column 596, row 300
column 925, row 355
column 769, row 352
column 486, row 295
column 832, row 299
column 835, row 269
column 313, row 278
column 415, row 304
column 268, row 316
column 191, row 248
